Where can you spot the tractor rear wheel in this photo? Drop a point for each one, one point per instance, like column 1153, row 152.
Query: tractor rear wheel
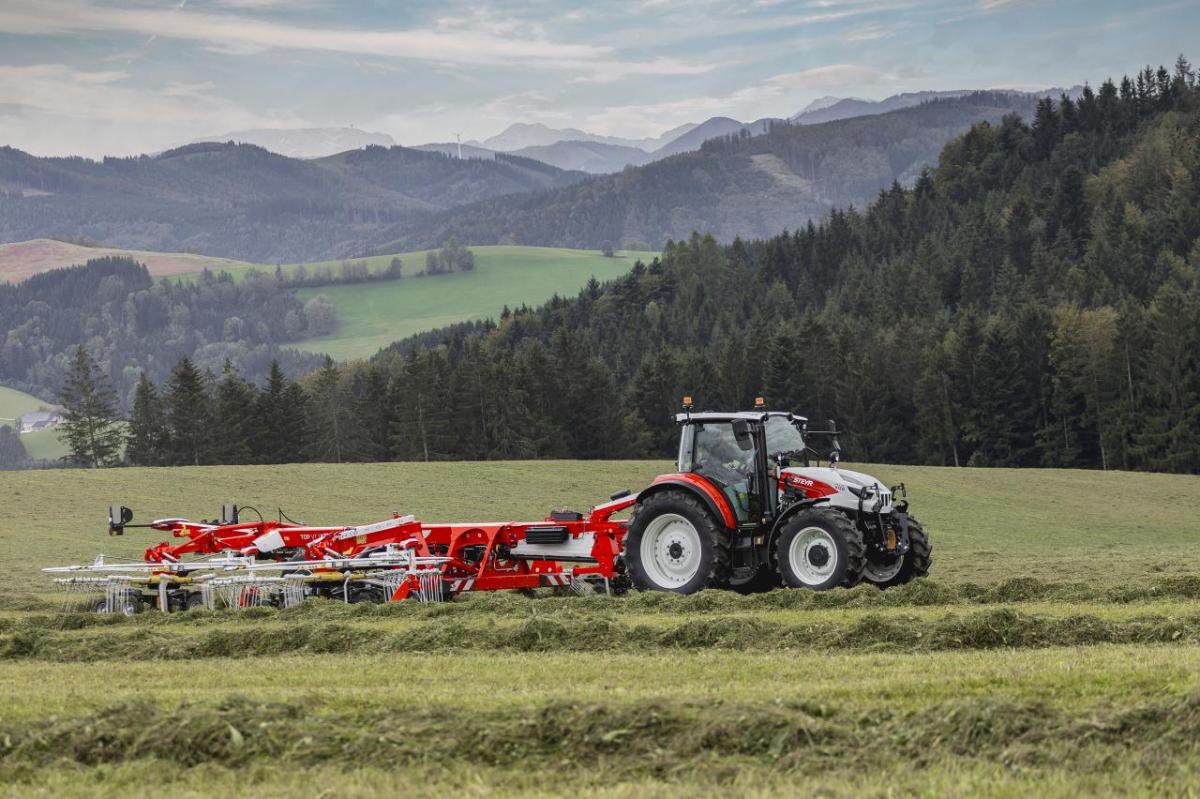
column 914, row 563
column 675, row 545
column 819, row 549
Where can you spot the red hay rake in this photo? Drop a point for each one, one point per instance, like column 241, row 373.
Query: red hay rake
column 237, row 564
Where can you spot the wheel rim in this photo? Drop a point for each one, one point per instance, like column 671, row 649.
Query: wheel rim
column 813, row 555
column 882, row 572
column 670, row 550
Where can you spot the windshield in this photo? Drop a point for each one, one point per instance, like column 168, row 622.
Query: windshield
column 782, row 436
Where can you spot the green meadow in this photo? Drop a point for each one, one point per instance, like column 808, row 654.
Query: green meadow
column 373, row 315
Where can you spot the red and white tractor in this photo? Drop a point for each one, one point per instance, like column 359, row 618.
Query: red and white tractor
column 746, row 511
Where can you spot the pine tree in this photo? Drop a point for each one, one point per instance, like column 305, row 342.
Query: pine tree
column 1045, row 127
column 233, row 417
column 422, row 417
column 146, row 437
column 280, row 420
column 334, row 430
column 89, row 425
column 188, row 416
column 12, row 450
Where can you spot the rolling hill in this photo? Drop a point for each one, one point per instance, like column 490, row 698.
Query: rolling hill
column 304, row 142
column 23, row 259
column 373, row 315
column 240, row 201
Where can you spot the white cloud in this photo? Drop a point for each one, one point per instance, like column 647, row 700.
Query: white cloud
column 68, row 111
column 476, row 40
column 747, row 102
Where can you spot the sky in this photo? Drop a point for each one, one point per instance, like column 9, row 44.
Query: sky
column 121, row 77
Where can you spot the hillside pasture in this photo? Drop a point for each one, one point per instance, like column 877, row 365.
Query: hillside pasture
column 23, row 259
column 373, row 315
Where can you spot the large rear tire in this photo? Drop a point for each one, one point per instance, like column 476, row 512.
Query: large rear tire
column 819, row 549
column 675, row 545
column 914, row 564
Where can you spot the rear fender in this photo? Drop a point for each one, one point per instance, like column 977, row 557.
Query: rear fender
column 716, row 502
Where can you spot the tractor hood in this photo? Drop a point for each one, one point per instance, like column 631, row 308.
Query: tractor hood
column 843, row 487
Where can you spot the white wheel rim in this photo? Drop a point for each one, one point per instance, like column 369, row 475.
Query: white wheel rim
column 877, row 573
column 813, row 555
column 670, row 550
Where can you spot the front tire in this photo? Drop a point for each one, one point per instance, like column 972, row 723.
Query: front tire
column 914, row 564
column 675, row 545
column 819, row 549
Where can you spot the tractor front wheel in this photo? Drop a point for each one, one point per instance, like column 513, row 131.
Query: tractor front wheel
column 819, row 549
column 910, row 566
column 673, row 544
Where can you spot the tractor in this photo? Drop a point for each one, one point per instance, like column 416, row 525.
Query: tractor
column 747, row 511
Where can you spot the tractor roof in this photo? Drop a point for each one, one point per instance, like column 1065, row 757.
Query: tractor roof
column 729, row 416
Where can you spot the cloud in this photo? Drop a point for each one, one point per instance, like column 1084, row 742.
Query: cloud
column 465, row 41
column 794, row 86
column 70, row 111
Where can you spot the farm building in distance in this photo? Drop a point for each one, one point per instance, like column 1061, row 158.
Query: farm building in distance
column 39, row 420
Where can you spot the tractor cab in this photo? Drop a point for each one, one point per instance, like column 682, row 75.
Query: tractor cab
column 747, row 455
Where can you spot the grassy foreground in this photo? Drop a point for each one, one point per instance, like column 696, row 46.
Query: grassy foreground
column 1054, row 651
column 373, row 315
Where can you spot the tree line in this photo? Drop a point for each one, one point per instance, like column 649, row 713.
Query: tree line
column 1034, row 300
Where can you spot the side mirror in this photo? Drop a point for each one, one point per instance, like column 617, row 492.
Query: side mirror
column 118, row 517
column 741, row 434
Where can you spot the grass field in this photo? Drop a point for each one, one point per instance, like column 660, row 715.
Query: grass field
column 42, row 445
column 1053, row 651
column 14, row 404
column 373, row 315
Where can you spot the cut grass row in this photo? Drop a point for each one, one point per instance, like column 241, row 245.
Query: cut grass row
column 902, row 632
column 798, row 726
column 1079, row 678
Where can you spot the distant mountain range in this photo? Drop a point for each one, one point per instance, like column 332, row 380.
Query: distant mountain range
column 740, row 185
column 830, row 109
column 521, row 135
column 723, row 176
column 574, row 149
column 304, row 142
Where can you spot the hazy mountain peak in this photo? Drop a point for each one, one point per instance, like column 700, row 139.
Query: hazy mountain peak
column 820, row 103
column 304, row 142
column 521, row 135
